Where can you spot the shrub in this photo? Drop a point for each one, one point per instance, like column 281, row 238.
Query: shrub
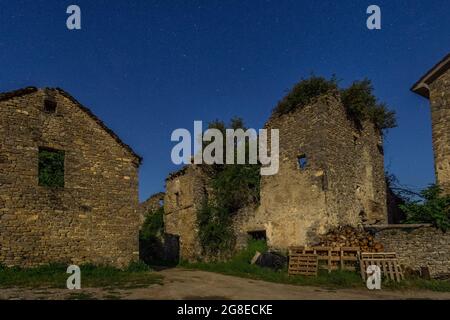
column 304, row 92
column 215, row 232
column 433, row 208
column 150, row 238
column 362, row 105
column 153, row 225
column 233, row 187
column 358, row 100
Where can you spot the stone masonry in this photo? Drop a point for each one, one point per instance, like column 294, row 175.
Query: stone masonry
column 152, row 204
column 417, row 246
column 93, row 218
column 186, row 190
column 342, row 181
column 435, row 86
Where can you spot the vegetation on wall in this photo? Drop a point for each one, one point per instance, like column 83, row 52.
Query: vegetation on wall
column 150, row 245
column 233, row 187
column 304, row 92
column 362, row 105
column 358, row 99
column 433, row 207
column 153, row 225
column 51, row 168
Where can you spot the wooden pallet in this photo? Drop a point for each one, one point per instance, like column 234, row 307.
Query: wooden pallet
column 330, row 258
column 303, row 264
column 387, row 262
column 349, row 258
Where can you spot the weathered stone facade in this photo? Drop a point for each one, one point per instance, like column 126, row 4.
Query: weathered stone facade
column 93, row 218
column 435, row 86
column 417, row 246
column 185, row 192
column 342, row 183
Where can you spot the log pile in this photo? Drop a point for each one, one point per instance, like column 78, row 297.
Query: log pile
column 347, row 236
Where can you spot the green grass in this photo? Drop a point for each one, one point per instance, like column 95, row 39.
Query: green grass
column 81, row 296
column 137, row 275
column 240, row 266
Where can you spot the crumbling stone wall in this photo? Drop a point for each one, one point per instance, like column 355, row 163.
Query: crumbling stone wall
column 417, row 246
column 94, row 218
column 440, row 118
column 185, row 192
column 152, row 204
column 341, row 184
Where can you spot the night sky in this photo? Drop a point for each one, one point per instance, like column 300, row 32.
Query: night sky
column 149, row 67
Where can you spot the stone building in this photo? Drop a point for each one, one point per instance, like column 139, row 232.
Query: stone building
column 435, row 86
column 79, row 209
column 331, row 173
column 186, row 190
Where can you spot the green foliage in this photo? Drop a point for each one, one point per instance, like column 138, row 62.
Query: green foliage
column 434, row 208
column 51, row 168
column 358, row 99
column 151, row 247
column 153, row 225
column 362, row 105
column 233, row 187
column 215, row 232
column 236, row 186
column 55, row 276
column 304, row 92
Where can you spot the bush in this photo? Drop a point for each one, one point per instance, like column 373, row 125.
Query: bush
column 153, row 225
column 151, row 248
column 358, row 100
column 215, row 232
column 362, row 105
column 304, row 92
column 433, row 208
column 233, row 187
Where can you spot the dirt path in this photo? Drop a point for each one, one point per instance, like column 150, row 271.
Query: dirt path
column 191, row 284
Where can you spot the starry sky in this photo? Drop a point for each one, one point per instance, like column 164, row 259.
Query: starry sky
column 149, row 67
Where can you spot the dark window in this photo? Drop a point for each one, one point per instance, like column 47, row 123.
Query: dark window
column 51, row 168
column 258, row 235
column 49, row 106
column 177, row 198
column 302, row 161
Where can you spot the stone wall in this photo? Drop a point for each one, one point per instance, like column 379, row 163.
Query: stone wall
column 94, row 218
column 152, row 204
column 417, row 246
column 440, row 117
column 343, row 182
column 185, row 192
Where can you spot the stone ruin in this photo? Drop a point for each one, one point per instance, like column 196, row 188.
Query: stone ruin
column 331, row 173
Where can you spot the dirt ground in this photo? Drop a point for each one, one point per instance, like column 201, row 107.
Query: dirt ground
column 191, row 284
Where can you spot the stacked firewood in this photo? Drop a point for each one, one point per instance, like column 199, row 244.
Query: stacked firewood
column 347, row 236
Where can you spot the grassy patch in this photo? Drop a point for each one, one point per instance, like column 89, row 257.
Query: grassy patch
column 417, row 283
column 240, row 266
column 55, row 276
column 81, row 296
